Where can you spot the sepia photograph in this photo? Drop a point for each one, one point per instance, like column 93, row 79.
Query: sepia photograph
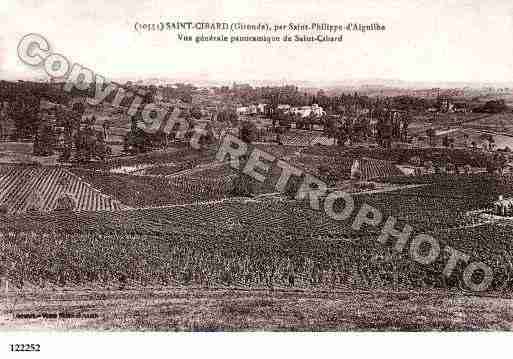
column 270, row 168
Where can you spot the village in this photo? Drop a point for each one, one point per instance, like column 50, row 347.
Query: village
column 415, row 136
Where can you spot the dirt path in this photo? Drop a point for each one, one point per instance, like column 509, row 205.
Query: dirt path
column 263, row 196
column 214, row 309
column 196, row 169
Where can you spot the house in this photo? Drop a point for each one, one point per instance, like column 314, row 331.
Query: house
column 251, row 109
column 445, row 105
column 243, row 110
column 305, row 111
column 461, row 107
column 261, row 107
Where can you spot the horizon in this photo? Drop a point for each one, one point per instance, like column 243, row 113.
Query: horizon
column 424, row 42
column 343, row 83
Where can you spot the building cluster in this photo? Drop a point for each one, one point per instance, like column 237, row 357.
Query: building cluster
column 257, row 109
column 301, row 111
column 304, row 111
column 445, row 105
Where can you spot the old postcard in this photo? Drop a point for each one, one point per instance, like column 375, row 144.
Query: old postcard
column 242, row 166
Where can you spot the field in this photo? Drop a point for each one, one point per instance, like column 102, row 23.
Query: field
column 404, row 155
column 444, row 120
column 293, row 137
column 262, row 243
column 181, row 176
column 502, row 122
column 179, row 157
column 177, row 188
column 188, row 250
column 40, row 188
column 21, row 152
column 254, row 266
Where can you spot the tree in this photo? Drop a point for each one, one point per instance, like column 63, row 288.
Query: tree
column 107, row 124
column 137, row 140
column 467, row 139
column 65, row 203
column 327, row 174
column 498, row 163
column 247, row 131
column 44, row 141
column 196, row 112
column 330, row 126
column 486, row 137
column 430, row 133
column 84, row 144
column 100, row 149
column 4, row 210
column 78, row 107
column 25, row 113
column 445, row 141
column 90, row 144
column 205, row 136
column 292, row 187
column 35, row 202
column 494, row 106
column 67, row 147
column 242, row 186
column 341, row 136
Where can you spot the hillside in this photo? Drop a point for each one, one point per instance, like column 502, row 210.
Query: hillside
column 259, row 243
column 35, row 188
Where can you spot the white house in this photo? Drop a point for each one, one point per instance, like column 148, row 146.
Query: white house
column 305, row 111
column 251, row 109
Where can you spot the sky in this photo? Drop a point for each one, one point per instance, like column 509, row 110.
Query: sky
column 430, row 41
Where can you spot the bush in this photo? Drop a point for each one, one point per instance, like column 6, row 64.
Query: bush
column 242, row 186
column 415, row 160
column 65, row 203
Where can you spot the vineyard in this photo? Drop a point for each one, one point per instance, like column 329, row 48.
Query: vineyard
column 36, row 188
column 184, row 259
column 456, row 156
column 203, row 184
column 339, row 167
column 169, row 161
column 171, row 239
column 292, row 137
column 500, row 122
column 298, row 139
column 149, row 191
column 254, row 244
column 372, row 169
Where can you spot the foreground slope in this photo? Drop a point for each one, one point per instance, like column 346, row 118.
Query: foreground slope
column 223, row 309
